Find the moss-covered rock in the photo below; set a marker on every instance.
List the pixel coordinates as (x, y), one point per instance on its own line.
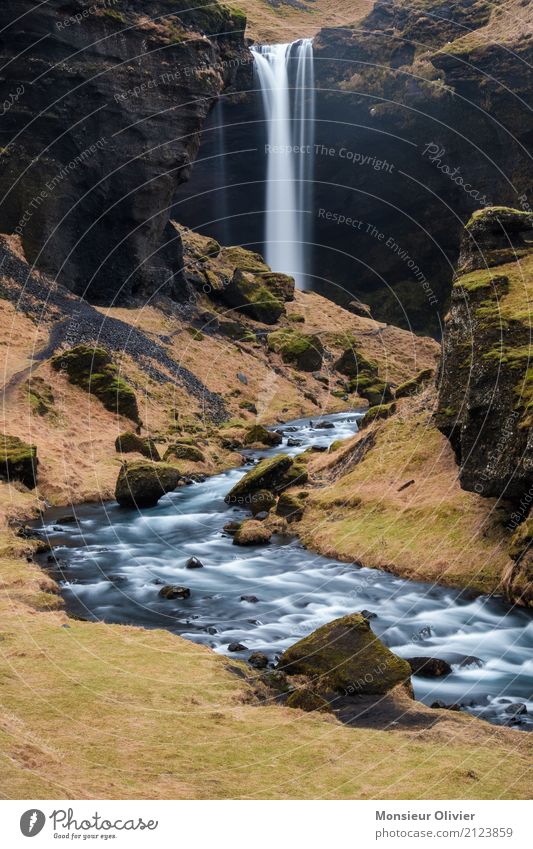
(252, 532)
(129, 442)
(519, 580)
(411, 387)
(142, 484)
(181, 451)
(381, 411)
(267, 474)
(301, 350)
(291, 506)
(258, 433)
(18, 461)
(261, 501)
(352, 363)
(345, 656)
(93, 370)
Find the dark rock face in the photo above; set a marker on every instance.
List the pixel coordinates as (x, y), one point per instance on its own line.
(485, 404)
(104, 125)
(429, 667)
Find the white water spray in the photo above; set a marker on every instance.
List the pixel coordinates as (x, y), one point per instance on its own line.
(286, 78)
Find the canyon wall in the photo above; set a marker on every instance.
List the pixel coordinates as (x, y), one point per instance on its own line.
(103, 104)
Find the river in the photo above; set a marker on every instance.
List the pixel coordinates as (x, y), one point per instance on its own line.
(113, 562)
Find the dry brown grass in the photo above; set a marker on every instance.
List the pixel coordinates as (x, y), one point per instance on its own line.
(282, 23)
(432, 530)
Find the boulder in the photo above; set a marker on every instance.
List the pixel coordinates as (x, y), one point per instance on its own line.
(258, 660)
(172, 592)
(359, 308)
(252, 533)
(267, 474)
(290, 506)
(93, 370)
(18, 461)
(261, 502)
(231, 528)
(251, 599)
(178, 451)
(429, 667)
(194, 563)
(258, 433)
(237, 647)
(130, 442)
(142, 484)
(345, 656)
(301, 350)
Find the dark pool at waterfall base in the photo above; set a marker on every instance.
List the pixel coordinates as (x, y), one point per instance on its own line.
(114, 561)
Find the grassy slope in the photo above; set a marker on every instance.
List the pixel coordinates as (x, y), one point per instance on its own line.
(270, 24)
(118, 712)
(432, 530)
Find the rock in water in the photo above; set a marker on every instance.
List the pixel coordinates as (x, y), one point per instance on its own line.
(252, 533)
(171, 592)
(429, 667)
(237, 647)
(142, 484)
(258, 660)
(347, 657)
(194, 563)
(268, 474)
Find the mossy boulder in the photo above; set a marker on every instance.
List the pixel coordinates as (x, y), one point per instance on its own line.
(261, 501)
(267, 474)
(258, 433)
(281, 285)
(252, 532)
(181, 451)
(297, 475)
(411, 387)
(93, 370)
(301, 350)
(521, 541)
(352, 363)
(345, 656)
(142, 484)
(291, 506)
(381, 411)
(18, 461)
(128, 443)
(371, 388)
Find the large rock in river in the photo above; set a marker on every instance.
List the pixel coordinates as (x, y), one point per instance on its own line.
(271, 474)
(142, 484)
(347, 657)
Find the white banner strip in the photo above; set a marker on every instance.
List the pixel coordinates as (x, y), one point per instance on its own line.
(263, 824)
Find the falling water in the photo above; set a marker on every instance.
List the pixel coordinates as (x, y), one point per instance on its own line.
(286, 79)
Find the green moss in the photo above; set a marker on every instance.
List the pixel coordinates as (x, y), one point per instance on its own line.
(301, 350)
(258, 433)
(130, 442)
(267, 474)
(114, 15)
(93, 370)
(410, 387)
(492, 213)
(305, 699)
(180, 451)
(40, 396)
(381, 411)
(296, 318)
(353, 364)
(197, 335)
(347, 657)
(290, 506)
(483, 280)
(18, 461)
(521, 540)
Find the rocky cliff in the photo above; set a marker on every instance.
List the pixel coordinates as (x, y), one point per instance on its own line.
(435, 124)
(103, 104)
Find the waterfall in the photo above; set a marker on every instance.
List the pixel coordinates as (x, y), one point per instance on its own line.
(286, 79)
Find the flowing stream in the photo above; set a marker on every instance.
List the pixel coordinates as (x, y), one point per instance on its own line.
(286, 79)
(114, 561)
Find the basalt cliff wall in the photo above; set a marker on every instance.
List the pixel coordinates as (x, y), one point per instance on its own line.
(103, 104)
